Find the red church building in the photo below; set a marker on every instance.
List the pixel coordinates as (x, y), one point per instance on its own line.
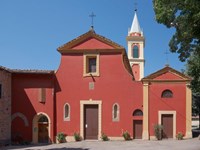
(98, 88)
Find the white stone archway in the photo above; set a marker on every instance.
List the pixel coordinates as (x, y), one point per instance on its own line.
(22, 116)
(35, 126)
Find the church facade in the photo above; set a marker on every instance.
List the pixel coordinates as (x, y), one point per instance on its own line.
(98, 88)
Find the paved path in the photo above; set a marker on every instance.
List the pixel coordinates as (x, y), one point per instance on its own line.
(192, 144)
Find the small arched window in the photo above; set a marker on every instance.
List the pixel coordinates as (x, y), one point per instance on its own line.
(137, 112)
(66, 112)
(43, 119)
(115, 112)
(135, 51)
(167, 94)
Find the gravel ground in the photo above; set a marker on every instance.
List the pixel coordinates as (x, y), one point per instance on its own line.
(191, 144)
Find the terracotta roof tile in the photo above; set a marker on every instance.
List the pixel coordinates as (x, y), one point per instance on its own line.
(34, 71)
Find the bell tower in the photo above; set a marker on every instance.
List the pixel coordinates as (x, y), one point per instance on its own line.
(136, 42)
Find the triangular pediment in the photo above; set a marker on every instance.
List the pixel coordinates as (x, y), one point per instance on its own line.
(92, 43)
(89, 41)
(167, 74)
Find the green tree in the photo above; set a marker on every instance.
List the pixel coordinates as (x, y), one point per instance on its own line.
(193, 70)
(184, 16)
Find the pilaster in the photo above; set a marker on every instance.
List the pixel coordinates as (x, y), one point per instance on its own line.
(188, 112)
(145, 133)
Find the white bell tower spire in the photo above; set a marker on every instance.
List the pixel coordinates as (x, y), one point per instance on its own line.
(136, 40)
(135, 28)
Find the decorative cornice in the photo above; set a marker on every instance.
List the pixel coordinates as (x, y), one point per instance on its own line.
(135, 38)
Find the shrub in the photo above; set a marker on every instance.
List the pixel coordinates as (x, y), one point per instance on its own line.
(104, 137)
(126, 136)
(179, 136)
(16, 139)
(77, 136)
(158, 131)
(61, 137)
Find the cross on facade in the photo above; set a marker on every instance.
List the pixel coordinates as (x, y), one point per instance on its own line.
(167, 60)
(92, 17)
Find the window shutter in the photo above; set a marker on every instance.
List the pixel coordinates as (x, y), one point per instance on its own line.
(42, 95)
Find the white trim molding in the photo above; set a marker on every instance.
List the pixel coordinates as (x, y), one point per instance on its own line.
(91, 102)
(35, 127)
(86, 56)
(117, 117)
(64, 111)
(22, 116)
(168, 112)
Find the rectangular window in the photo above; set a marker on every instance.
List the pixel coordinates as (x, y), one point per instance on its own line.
(91, 65)
(42, 95)
(0, 91)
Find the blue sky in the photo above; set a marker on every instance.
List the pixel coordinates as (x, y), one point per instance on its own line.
(32, 30)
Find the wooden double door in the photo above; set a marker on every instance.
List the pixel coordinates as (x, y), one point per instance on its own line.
(90, 122)
(167, 123)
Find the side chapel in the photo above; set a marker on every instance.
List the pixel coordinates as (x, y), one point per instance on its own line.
(98, 88)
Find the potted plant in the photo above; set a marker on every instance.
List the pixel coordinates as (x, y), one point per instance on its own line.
(61, 137)
(158, 131)
(179, 136)
(104, 137)
(126, 136)
(77, 136)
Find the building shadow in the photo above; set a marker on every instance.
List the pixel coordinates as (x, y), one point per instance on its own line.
(34, 147)
(64, 148)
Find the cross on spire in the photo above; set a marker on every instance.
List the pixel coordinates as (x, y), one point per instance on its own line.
(167, 59)
(92, 17)
(135, 5)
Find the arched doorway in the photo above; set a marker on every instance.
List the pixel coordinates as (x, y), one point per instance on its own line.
(43, 131)
(137, 124)
(41, 128)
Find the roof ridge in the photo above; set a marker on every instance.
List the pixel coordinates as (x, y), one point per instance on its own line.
(165, 69)
(93, 34)
(32, 71)
(26, 70)
(5, 68)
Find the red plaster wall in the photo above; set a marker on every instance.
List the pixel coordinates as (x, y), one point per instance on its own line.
(92, 43)
(25, 89)
(136, 71)
(168, 76)
(114, 85)
(177, 103)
